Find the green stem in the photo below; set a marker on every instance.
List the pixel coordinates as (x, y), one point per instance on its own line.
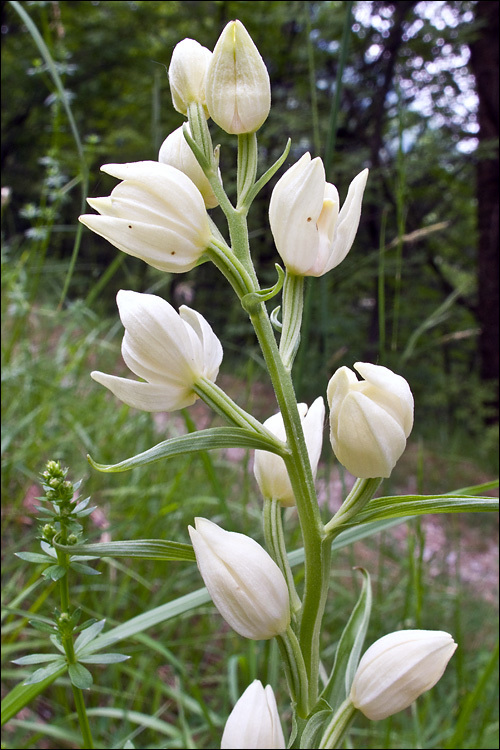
(338, 726)
(295, 671)
(316, 548)
(359, 496)
(83, 718)
(273, 533)
(317, 552)
(247, 165)
(220, 402)
(67, 643)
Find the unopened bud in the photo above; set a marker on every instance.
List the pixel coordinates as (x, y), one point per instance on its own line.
(237, 86)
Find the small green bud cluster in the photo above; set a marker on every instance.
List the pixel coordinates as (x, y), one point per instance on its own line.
(57, 489)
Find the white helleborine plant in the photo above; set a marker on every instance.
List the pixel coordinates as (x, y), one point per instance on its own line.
(186, 74)
(245, 584)
(254, 722)
(270, 470)
(398, 668)
(157, 214)
(370, 419)
(171, 351)
(176, 152)
(311, 235)
(237, 86)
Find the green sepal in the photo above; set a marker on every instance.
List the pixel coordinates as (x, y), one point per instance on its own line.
(80, 676)
(144, 549)
(252, 300)
(349, 648)
(203, 440)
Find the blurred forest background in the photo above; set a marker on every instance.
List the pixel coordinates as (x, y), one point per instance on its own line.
(408, 89)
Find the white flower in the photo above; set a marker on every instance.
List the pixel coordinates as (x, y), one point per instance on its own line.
(176, 152)
(398, 668)
(237, 86)
(245, 584)
(310, 234)
(270, 470)
(186, 74)
(170, 350)
(254, 721)
(156, 214)
(370, 419)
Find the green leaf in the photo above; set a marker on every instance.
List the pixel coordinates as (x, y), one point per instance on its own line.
(80, 676)
(145, 549)
(44, 672)
(43, 627)
(103, 658)
(85, 570)
(36, 658)
(382, 508)
(22, 695)
(203, 440)
(54, 572)
(88, 635)
(311, 734)
(34, 557)
(349, 648)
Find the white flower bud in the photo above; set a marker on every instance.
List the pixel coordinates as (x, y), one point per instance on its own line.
(270, 470)
(369, 419)
(157, 214)
(398, 668)
(245, 584)
(237, 86)
(175, 151)
(310, 234)
(186, 74)
(254, 722)
(169, 350)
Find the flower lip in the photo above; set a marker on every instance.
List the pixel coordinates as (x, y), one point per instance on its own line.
(310, 232)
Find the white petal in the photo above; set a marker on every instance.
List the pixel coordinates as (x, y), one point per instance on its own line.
(145, 396)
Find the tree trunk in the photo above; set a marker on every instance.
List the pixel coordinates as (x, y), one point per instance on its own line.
(484, 65)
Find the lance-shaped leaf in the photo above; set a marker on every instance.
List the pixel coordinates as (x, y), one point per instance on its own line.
(203, 440)
(382, 508)
(144, 549)
(349, 648)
